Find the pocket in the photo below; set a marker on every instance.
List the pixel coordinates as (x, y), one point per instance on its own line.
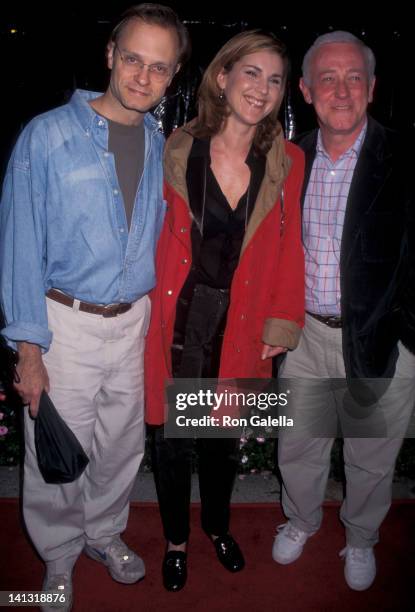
(64, 323)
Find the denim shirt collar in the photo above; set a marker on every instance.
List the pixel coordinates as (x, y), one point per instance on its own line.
(89, 119)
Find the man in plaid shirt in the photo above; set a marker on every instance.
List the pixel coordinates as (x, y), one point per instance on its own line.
(358, 232)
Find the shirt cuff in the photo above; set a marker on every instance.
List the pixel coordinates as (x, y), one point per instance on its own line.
(27, 332)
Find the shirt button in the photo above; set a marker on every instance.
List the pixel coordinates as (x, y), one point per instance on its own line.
(243, 317)
(121, 230)
(238, 350)
(183, 229)
(184, 261)
(106, 154)
(169, 292)
(332, 172)
(115, 192)
(100, 123)
(247, 282)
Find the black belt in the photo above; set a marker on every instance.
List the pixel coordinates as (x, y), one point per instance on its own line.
(330, 321)
(112, 310)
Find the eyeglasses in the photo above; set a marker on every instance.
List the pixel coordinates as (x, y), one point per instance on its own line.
(133, 65)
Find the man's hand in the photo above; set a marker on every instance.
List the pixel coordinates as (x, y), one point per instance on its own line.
(32, 374)
(272, 351)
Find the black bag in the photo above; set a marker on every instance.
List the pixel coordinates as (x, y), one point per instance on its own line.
(60, 456)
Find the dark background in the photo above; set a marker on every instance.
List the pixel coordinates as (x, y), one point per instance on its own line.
(56, 48)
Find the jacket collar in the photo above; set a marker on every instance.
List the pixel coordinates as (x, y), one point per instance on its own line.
(277, 168)
(372, 170)
(375, 149)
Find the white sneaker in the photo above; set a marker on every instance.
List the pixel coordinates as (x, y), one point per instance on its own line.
(59, 587)
(122, 563)
(289, 543)
(360, 567)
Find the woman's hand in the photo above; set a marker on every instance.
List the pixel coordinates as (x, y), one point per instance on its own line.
(272, 351)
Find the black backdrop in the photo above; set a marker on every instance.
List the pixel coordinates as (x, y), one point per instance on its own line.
(48, 50)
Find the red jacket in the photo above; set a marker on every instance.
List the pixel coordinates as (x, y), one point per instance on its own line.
(267, 292)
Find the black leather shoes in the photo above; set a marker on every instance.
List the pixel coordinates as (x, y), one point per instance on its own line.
(174, 570)
(229, 553)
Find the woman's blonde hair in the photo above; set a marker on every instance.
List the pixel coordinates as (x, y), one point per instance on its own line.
(212, 107)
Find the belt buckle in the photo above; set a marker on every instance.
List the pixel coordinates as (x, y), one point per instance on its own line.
(333, 320)
(110, 310)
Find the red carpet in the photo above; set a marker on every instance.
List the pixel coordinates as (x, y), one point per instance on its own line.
(313, 583)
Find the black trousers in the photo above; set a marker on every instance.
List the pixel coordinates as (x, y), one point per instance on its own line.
(172, 465)
(200, 321)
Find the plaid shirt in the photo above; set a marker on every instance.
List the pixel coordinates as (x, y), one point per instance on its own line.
(323, 218)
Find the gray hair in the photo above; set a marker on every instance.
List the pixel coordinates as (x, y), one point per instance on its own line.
(339, 36)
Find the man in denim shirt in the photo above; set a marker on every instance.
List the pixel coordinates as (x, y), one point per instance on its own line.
(81, 212)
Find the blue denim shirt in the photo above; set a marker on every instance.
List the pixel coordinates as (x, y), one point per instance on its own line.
(63, 222)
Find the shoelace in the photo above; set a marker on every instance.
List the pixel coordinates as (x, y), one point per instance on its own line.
(289, 531)
(121, 550)
(358, 555)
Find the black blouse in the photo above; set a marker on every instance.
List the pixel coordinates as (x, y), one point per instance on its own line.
(218, 230)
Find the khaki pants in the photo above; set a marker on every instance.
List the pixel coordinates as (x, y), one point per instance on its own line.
(95, 367)
(369, 462)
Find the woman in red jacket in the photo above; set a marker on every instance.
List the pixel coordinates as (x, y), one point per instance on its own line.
(230, 278)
